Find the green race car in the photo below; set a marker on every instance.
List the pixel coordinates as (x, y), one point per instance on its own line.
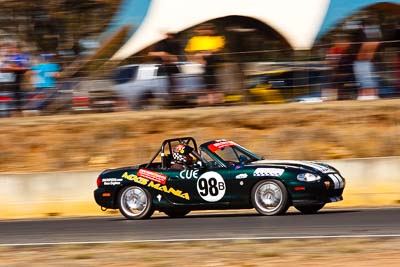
(218, 174)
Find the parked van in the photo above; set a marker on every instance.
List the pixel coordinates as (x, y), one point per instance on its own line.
(140, 84)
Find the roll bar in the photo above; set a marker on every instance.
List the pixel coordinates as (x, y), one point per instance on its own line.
(185, 140)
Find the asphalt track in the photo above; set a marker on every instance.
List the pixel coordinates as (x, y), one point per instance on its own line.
(246, 225)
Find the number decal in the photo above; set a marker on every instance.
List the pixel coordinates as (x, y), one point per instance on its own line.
(211, 186)
(202, 187)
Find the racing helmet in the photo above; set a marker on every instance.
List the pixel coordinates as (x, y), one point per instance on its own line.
(181, 153)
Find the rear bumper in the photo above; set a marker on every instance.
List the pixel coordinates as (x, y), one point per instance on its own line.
(104, 198)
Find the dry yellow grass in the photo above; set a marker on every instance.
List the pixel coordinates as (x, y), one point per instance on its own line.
(296, 131)
(243, 253)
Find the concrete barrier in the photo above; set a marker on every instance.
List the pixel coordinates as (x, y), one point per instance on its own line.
(48, 194)
(369, 182)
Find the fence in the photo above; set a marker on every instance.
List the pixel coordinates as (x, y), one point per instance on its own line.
(303, 76)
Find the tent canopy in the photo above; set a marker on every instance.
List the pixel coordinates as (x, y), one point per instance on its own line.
(298, 28)
(299, 22)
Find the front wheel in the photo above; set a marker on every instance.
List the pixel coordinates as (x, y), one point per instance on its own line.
(310, 209)
(135, 203)
(270, 197)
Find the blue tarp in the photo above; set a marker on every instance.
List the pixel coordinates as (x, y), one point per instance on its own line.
(131, 13)
(340, 9)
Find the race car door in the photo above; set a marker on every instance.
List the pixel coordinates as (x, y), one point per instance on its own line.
(203, 186)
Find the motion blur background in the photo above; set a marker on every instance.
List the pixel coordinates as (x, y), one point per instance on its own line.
(81, 87)
(84, 87)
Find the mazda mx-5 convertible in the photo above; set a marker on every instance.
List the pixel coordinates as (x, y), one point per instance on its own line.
(219, 174)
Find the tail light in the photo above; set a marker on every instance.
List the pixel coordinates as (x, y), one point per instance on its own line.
(99, 181)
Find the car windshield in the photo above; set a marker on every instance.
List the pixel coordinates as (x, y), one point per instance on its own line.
(231, 152)
(235, 155)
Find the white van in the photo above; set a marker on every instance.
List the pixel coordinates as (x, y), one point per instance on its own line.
(138, 84)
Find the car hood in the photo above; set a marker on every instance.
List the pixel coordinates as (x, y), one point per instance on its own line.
(308, 165)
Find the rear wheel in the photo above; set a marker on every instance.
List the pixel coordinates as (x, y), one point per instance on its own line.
(176, 213)
(270, 197)
(310, 209)
(135, 203)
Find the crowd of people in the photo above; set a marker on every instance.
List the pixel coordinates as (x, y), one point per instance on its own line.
(29, 80)
(352, 58)
(203, 47)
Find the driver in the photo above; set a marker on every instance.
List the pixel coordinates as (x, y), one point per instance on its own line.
(181, 157)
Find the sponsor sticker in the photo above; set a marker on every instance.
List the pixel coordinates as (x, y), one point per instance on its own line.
(221, 144)
(152, 176)
(112, 181)
(311, 164)
(189, 174)
(156, 186)
(268, 172)
(241, 176)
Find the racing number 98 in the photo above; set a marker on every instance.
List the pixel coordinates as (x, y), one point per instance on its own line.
(211, 186)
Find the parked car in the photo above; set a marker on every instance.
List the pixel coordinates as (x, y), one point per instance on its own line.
(90, 95)
(6, 103)
(7, 96)
(284, 82)
(139, 84)
(218, 174)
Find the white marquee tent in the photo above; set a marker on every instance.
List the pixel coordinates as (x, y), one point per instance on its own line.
(299, 22)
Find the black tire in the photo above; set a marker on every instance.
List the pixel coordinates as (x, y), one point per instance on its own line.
(310, 209)
(135, 203)
(176, 213)
(273, 201)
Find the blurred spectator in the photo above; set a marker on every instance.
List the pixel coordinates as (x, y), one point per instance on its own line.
(368, 39)
(44, 75)
(342, 82)
(6, 76)
(204, 48)
(45, 72)
(168, 51)
(15, 64)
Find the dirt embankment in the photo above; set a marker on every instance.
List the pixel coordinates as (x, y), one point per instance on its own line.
(296, 131)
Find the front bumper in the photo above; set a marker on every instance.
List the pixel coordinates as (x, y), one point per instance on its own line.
(328, 189)
(306, 202)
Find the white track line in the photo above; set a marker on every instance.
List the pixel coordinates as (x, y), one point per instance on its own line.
(200, 239)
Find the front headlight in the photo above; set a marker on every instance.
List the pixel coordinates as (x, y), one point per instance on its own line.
(308, 177)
